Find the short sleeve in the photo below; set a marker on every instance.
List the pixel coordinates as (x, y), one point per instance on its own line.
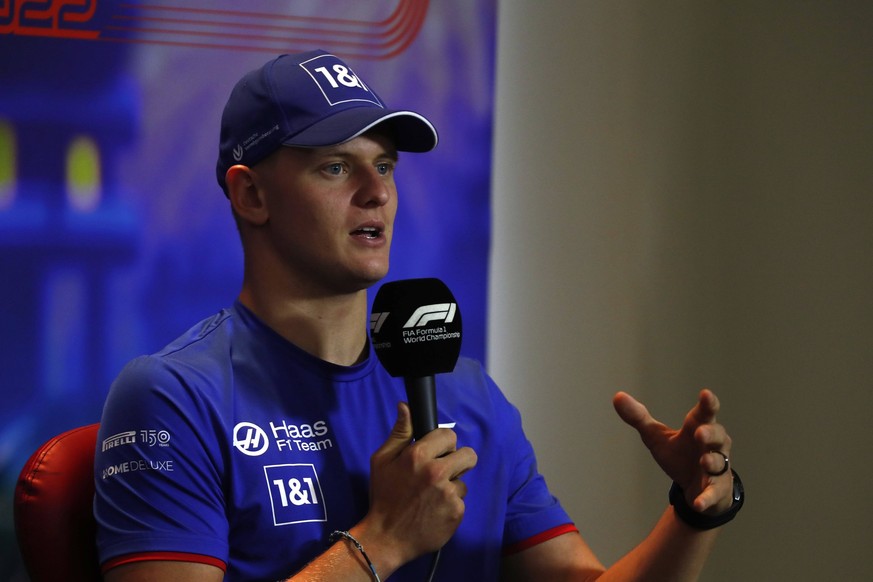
(158, 467)
(532, 510)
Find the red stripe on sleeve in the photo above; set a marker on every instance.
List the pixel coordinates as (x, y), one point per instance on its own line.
(539, 538)
(162, 556)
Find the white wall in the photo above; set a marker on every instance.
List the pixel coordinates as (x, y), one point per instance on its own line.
(682, 198)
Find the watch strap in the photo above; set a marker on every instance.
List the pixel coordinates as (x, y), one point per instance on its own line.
(702, 521)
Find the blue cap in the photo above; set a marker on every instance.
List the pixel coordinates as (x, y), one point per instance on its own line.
(311, 99)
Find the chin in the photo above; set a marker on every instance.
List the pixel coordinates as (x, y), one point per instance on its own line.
(375, 278)
(375, 272)
(366, 279)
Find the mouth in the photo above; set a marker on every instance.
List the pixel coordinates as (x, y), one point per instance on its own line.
(368, 232)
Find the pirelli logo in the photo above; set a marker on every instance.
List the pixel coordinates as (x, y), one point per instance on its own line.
(123, 438)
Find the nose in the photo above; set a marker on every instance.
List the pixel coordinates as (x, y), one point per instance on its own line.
(374, 189)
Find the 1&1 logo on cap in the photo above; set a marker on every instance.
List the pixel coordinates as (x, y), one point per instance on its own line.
(337, 82)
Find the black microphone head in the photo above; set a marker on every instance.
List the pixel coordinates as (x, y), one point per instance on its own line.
(415, 328)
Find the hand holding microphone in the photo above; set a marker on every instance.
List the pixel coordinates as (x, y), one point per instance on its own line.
(416, 495)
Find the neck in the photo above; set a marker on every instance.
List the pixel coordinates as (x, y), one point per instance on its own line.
(332, 328)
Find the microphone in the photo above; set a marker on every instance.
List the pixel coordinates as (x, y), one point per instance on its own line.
(415, 328)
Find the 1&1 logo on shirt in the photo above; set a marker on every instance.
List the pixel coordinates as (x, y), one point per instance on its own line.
(295, 494)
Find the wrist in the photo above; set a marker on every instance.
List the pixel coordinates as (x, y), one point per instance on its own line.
(702, 521)
(343, 536)
(384, 554)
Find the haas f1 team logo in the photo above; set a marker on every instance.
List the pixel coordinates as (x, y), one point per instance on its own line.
(250, 439)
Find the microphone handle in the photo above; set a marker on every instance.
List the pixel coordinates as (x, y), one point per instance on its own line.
(421, 394)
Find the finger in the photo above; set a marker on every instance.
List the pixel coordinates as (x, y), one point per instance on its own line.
(460, 488)
(463, 460)
(712, 437)
(707, 407)
(437, 443)
(449, 466)
(705, 500)
(717, 492)
(715, 463)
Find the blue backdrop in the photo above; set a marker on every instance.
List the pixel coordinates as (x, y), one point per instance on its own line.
(114, 236)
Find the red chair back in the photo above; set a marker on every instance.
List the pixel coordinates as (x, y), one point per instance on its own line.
(53, 508)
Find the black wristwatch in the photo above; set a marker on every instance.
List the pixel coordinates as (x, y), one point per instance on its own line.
(702, 521)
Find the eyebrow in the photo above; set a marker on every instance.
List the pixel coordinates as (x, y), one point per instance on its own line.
(340, 150)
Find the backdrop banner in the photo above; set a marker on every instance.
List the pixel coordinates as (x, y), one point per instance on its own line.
(114, 235)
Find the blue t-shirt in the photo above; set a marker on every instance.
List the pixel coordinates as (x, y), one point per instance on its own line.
(233, 443)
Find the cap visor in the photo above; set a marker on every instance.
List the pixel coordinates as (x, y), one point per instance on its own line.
(411, 132)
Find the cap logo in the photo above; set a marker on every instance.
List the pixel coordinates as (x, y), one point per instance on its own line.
(337, 82)
(238, 152)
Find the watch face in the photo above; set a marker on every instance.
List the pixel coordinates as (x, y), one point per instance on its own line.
(739, 492)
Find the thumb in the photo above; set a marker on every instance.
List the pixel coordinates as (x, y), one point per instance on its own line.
(631, 410)
(401, 433)
(634, 412)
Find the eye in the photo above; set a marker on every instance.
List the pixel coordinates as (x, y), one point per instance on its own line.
(334, 169)
(385, 168)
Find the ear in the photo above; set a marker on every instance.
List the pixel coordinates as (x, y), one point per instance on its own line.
(246, 198)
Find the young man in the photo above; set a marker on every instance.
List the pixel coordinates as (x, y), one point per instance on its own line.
(270, 450)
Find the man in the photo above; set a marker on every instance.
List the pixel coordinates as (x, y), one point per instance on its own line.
(269, 449)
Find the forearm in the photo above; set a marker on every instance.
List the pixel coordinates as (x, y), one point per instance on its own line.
(343, 561)
(672, 551)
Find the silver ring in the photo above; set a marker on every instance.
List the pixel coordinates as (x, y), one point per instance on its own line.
(727, 464)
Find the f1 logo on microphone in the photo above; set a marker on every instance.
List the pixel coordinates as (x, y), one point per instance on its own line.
(377, 320)
(434, 312)
(420, 317)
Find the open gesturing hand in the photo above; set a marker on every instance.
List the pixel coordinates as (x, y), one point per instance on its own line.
(694, 456)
